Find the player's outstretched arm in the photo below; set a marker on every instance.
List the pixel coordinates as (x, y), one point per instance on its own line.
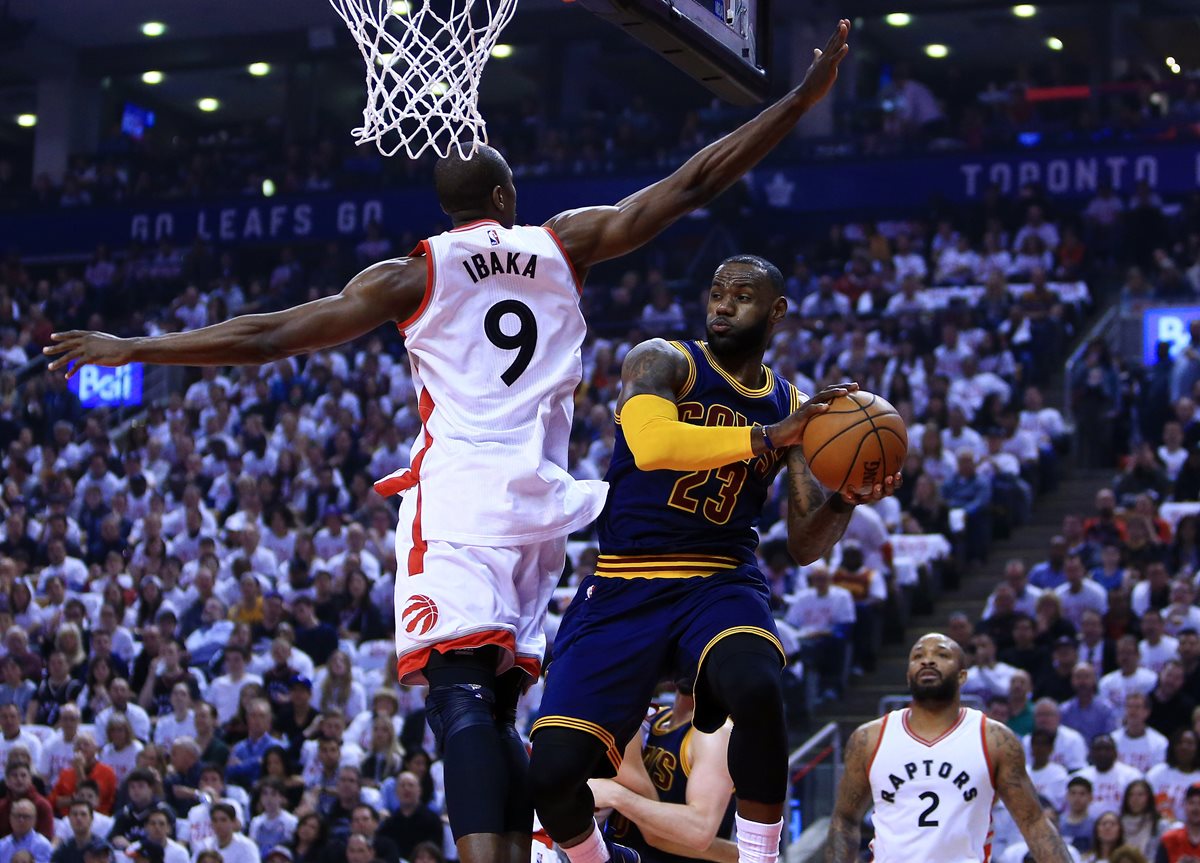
(1016, 790)
(594, 234)
(388, 291)
(853, 797)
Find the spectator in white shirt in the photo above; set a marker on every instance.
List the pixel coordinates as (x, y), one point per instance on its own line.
(1130, 677)
(907, 261)
(225, 692)
(180, 722)
(1025, 595)
(233, 846)
(1048, 777)
(957, 434)
(1080, 593)
(121, 751)
(58, 750)
(158, 830)
(958, 264)
(1182, 613)
(986, 676)
(1156, 647)
(1139, 745)
(122, 705)
(12, 735)
(1046, 424)
(1171, 452)
(1109, 777)
(1070, 750)
(950, 354)
(1037, 226)
(824, 615)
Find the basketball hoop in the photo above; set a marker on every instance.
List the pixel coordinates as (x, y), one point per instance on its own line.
(424, 65)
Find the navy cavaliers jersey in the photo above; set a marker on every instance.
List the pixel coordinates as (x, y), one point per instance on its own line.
(665, 755)
(681, 523)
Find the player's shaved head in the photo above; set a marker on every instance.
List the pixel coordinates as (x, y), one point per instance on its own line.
(466, 185)
(938, 638)
(772, 277)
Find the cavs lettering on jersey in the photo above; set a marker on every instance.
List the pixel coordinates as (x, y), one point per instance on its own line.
(678, 524)
(933, 798)
(665, 756)
(495, 356)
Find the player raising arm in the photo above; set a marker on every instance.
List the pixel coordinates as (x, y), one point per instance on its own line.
(481, 188)
(495, 392)
(931, 781)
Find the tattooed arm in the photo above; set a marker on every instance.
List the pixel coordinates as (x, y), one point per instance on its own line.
(853, 796)
(1016, 790)
(815, 523)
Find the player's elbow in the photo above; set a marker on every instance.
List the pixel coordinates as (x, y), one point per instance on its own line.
(803, 553)
(648, 457)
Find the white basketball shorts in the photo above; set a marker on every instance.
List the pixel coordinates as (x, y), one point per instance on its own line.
(451, 596)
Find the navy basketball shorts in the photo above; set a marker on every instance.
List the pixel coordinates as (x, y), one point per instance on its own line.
(622, 636)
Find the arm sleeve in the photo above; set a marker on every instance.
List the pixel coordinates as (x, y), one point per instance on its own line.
(659, 441)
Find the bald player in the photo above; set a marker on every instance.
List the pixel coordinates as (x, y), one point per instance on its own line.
(932, 772)
(495, 394)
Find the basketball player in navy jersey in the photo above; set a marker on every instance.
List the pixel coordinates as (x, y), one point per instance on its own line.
(932, 772)
(474, 690)
(702, 430)
(673, 796)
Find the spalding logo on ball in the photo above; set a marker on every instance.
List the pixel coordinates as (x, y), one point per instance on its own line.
(856, 444)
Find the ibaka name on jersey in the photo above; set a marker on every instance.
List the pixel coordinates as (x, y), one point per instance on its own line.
(479, 267)
(925, 769)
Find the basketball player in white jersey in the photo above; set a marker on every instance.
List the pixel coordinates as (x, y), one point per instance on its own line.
(491, 322)
(932, 772)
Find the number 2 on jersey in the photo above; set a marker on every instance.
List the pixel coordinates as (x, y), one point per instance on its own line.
(523, 341)
(924, 820)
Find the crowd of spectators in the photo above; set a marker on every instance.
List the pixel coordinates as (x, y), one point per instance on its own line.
(196, 606)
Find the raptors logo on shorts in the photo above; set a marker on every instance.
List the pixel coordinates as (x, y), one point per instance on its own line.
(420, 615)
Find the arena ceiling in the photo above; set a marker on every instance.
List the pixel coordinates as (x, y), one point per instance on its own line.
(208, 43)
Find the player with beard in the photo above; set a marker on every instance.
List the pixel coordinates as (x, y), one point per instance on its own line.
(702, 430)
(932, 771)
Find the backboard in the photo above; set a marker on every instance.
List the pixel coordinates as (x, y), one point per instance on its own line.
(721, 43)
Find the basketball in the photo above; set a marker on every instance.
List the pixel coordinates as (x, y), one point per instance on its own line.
(855, 444)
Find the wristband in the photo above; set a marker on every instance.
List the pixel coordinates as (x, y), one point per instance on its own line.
(767, 439)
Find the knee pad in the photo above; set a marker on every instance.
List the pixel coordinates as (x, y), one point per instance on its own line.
(742, 677)
(454, 707)
(562, 762)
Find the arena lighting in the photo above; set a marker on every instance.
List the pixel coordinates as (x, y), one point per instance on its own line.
(154, 29)
(385, 58)
(152, 77)
(898, 19)
(502, 51)
(441, 88)
(208, 104)
(400, 7)
(27, 121)
(259, 69)
(1176, 68)
(1024, 10)
(1170, 61)
(936, 51)
(268, 187)
(1054, 43)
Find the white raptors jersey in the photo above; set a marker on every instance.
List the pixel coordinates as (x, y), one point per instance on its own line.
(933, 799)
(495, 355)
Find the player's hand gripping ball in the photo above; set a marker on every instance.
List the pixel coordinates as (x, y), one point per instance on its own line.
(856, 444)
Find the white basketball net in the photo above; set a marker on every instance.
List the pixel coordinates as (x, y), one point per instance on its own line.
(424, 59)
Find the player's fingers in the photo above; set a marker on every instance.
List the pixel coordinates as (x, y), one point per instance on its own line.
(69, 334)
(51, 350)
(825, 396)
